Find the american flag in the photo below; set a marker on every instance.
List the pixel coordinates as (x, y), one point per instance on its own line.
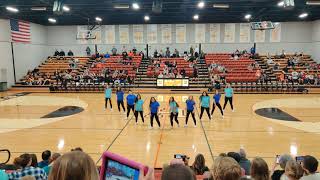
(20, 31)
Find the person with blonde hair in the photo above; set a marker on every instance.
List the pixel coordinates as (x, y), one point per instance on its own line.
(293, 170)
(226, 168)
(259, 169)
(75, 165)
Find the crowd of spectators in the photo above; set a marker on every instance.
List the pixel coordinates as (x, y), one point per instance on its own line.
(36, 78)
(227, 166)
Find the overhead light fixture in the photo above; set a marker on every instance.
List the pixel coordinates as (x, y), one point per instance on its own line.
(247, 16)
(303, 15)
(146, 18)
(276, 23)
(12, 9)
(222, 6)
(66, 8)
(38, 9)
(52, 20)
(196, 17)
(281, 3)
(201, 4)
(313, 2)
(121, 6)
(135, 6)
(99, 19)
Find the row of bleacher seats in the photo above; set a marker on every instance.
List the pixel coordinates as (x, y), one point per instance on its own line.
(181, 64)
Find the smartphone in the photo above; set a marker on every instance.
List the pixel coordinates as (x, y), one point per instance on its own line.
(299, 159)
(277, 159)
(117, 167)
(179, 156)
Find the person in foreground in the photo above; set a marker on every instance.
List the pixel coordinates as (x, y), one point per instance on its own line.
(226, 168)
(310, 166)
(199, 165)
(259, 169)
(75, 165)
(24, 162)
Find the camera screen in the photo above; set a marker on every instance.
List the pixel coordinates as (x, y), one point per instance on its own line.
(116, 171)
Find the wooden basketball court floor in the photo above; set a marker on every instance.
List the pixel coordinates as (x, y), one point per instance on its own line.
(95, 129)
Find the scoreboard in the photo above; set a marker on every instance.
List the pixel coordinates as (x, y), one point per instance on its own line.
(264, 25)
(167, 82)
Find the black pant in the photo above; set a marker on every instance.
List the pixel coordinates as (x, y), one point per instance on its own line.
(154, 115)
(214, 106)
(226, 99)
(193, 117)
(122, 104)
(207, 110)
(175, 116)
(129, 107)
(136, 113)
(106, 103)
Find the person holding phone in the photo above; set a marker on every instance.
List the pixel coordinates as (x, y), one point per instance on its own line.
(174, 111)
(205, 104)
(108, 94)
(139, 108)
(228, 92)
(154, 109)
(216, 98)
(190, 110)
(131, 99)
(282, 161)
(120, 95)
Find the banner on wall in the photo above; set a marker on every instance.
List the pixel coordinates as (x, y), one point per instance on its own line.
(229, 33)
(110, 34)
(82, 32)
(181, 33)
(200, 33)
(245, 29)
(124, 34)
(214, 30)
(166, 33)
(138, 34)
(152, 33)
(259, 36)
(275, 34)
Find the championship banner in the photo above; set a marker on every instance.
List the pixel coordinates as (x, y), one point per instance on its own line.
(166, 33)
(138, 34)
(124, 34)
(259, 35)
(110, 34)
(152, 32)
(181, 33)
(245, 32)
(214, 34)
(200, 33)
(229, 33)
(275, 34)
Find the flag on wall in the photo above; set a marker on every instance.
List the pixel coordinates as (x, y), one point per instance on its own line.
(20, 31)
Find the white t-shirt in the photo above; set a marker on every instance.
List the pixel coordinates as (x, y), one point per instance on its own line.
(315, 176)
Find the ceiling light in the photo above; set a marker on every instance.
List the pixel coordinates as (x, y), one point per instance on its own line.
(313, 2)
(247, 16)
(135, 6)
(146, 18)
(38, 9)
(121, 6)
(276, 23)
(52, 20)
(201, 4)
(12, 9)
(99, 19)
(223, 6)
(196, 17)
(281, 3)
(303, 15)
(66, 8)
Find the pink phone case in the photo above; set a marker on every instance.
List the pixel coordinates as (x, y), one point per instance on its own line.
(108, 155)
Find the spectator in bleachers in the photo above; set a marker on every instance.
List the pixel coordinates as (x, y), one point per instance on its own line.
(244, 162)
(70, 53)
(276, 67)
(124, 55)
(34, 160)
(114, 51)
(45, 159)
(270, 61)
(141, 54)
(175, 53)
(155, 54)
(283, 54)
(191, 51)
(56, 53)
(62, 53)
(107, 55)
(168, 54)
(134, 50)
(310, 166)
(277, 174)
(74, 165)
(54, 157)
(24, 163)
(88, 51)
(226, 168)
(259, 169)
(123, 49)
(293, 170)
(199, 165)
(130, 54)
